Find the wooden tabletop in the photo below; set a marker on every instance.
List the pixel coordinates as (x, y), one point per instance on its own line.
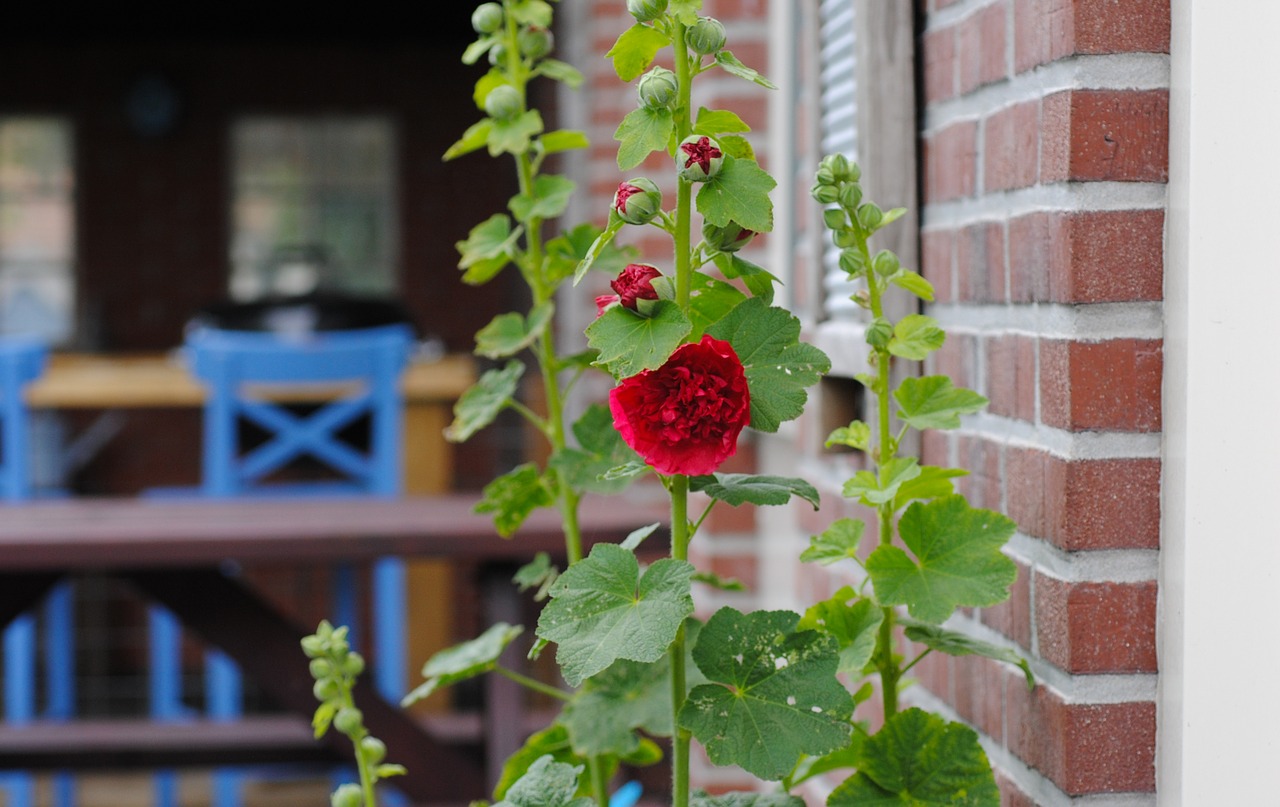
(96, 381)
(106, 533)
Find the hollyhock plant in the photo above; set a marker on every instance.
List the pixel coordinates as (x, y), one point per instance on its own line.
(698, 158)
(636, 283)
(685, 417)
(637, 201)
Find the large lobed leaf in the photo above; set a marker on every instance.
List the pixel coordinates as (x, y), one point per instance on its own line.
(737, 489)
(602, 609)
(601, 450)
(933, 402)
(957, 560)
(634, 51)
(774, 694)
(508, 334)
(778, 366)
(740, 192)
(462, 661)
(479, 405)
(630, 342)
(513, 496)
(643, 131)
(547, 783)
(854, 622)
(489, 247)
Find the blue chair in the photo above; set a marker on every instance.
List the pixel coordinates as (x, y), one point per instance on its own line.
(22, 360)
(247, 373)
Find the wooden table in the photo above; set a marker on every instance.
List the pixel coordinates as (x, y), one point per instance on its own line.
(173, 552)
(155, 380)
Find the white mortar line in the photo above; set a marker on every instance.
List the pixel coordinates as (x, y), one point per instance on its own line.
(1058, 197)
(1093, 322)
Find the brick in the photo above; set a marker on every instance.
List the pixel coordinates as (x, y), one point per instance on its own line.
(1055, 138)
(940, 64)
(980, 45)
(1011, 376)
(937, 262)
(1043, 31)
(1112, 385)
(1121, 26)
(1110, 135)
(1012, 617)
(1024, 489)
(980, 263)
(1033, 251)
(982, 459)
(950, 163)
(956, 359)
(1114, 256)
(1012, 150)
(979, 695)
(1102, 504)
(1083, 748)
(1010, 794)
(1087, 628)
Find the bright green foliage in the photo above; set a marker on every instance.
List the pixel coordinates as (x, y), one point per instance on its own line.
(742, 799)
(563, 72)
(635, 49)
(538, 573)
(551, 194)
(914, 283)
(737, 489)
(731, 64)
(508, 334)
(739, 192)
(514, 136)
(475, 137)
(602, 609)
(856, 435)
(837, 542)
(643, 131)
(880, 488)
(709, 300)
(479, 405)
(852, 620)
(773, 696)
(920, 760)
(954, 643)
(957, 560)
(462, 661)
(532, 12)
(685, 10)
(547, 784)
(840, 759)
(718, 122)
(932, 483)
(552, 741)
(933, 402)
(778, 366)
(601, 449)
(758, 280)
(562, 140)
(489, 247)
(568, 250)
(630, 342)
(513, 496)
(916, 336)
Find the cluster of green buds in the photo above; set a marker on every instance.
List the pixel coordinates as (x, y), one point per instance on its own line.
(335, 668)
(533, 41)
(646, 10)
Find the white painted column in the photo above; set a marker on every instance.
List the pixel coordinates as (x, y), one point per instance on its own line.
(1220, 576)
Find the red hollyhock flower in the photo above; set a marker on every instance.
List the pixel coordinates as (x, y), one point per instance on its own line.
(635, 282)
(603, 302)
(685, 417)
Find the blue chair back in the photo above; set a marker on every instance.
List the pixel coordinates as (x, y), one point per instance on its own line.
(244, 370)
(22, 360)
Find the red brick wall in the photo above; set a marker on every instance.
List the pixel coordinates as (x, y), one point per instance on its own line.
(1045, 141)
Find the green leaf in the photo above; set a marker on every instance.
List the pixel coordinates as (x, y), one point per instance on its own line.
(539, 572)
(552, 741)
(513, 496)
(778, 366)
(550, 197)
(954, 643)
(854, 622)
(563, 140)
(486, 84)
(635, 49)
(933, 403)
(510, 333)
(462, 661)
(890, 216)
(719, 583)
(856, 435)
(597, 249)
(628, 470)
(547, 784)
(602, 610)
(957, 560)
(709, 300)
(323, 717)
(514, 136)
(474, 138)
(643, 131)
(718, 122)
(774, 693)
(759, 281)
(839, 759)
(480, 404)
(389, 769)
(736, 489)
(685, 10)
(745, 799)
(872, 489)
(916, 336)
(838, 542)
(478, 48)
(630, 342)
(489, 247)
(537, 13)
(740, 192)
(636, 537)
(920, 760)
(932, 483)
(914, 283)
(737, 146)
(560, 71)
(602, 448)
(731, 64)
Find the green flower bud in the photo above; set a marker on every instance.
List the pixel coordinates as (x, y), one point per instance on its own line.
(885, 263)
(657, 88)
(646, 10)
(825, 194)
(348, 720)
(862, 299)
(850, 196)
(870, 216)
(375, 750)
(498, 55)
(347, 795)
(353, 665)
(503, 102)
(706, 36)
(320, 668)
(730, 238)
(826, 176)
(851, 261)
(535, 42)
(698, 158)
(880, 332)
(326, 689)
(313, 646)
(845, 238)
(834, 218)
(839, 165)
(487, 18)
(637, 201)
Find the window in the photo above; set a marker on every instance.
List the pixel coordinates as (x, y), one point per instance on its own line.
(37, 228)
(839, 130)
(313, 206)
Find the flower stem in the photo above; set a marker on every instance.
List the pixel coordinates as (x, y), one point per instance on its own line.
(531, 683)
